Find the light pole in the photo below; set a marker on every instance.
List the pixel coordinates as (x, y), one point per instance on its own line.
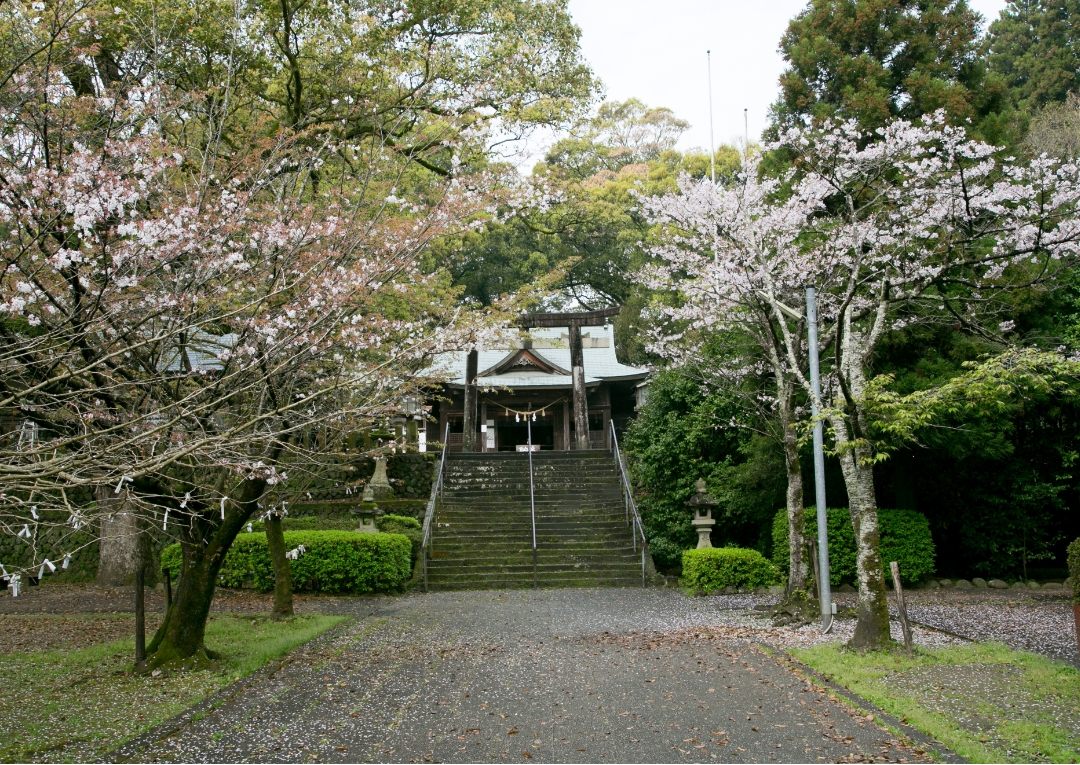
(824, 589)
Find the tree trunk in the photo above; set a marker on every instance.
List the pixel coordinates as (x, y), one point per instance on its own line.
(275, 540)
(798, 566)
(181, 635)
(118, 549)
(872, 625)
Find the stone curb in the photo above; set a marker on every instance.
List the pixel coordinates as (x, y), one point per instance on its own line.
(931, 746)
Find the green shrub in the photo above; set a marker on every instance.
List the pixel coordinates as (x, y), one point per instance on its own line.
(905, 538)
(405, 525)
(666, 554)
(1074, 568)
(334, 561)
(714, 568)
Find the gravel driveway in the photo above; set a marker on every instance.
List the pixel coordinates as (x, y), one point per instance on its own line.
(553, 675)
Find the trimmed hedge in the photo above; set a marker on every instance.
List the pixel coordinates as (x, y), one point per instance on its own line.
(712, 569)
(334, 561)
(404, 525)
(905, 538)
(1073, 557)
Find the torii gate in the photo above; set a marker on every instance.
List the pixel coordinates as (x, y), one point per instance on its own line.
(575, 321)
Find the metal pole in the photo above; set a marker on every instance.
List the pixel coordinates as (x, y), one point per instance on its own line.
(532, 490)
(824, 590)
(712, 146)
(746, 132)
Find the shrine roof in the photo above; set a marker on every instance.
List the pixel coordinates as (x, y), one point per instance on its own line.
(510, 367)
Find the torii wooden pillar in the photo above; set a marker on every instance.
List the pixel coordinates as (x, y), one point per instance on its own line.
(574, 321)
(468, 436)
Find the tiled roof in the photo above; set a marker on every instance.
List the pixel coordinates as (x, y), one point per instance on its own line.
(553, 345)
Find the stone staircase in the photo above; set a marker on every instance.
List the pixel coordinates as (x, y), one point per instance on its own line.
(483, 533)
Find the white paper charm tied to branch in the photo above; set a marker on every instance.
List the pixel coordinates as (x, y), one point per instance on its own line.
(296, 552)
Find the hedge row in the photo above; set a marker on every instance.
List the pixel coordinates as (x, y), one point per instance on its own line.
(333, 561)
(712, 569)
(905, 538)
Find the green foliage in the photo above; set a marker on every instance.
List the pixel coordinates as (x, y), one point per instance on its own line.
(875, 60)
(905, 538)
(990, 449)
(712, 569)
(1032, 47)
(404, 525)
(334, 561)
(681, 435)
(1074, 569)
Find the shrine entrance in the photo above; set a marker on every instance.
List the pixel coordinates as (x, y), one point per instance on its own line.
(514, 436)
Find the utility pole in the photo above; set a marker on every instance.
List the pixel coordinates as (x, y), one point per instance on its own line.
(712, 144)
(824, 589)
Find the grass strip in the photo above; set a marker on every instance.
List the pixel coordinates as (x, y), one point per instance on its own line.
(63, 706)
(986, 702)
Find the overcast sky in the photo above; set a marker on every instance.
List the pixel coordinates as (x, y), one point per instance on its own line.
(654, 50)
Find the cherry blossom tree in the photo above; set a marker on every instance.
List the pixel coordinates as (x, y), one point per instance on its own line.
(910, 223)
(180, 313)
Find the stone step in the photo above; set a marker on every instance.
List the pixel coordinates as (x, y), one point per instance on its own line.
(483, 534)
(494, 582)
(455, 548)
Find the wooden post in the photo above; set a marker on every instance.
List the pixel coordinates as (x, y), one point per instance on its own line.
(581, 405)
(901, 607)
(468, 440)
(140, 615)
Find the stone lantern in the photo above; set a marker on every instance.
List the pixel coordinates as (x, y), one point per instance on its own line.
(702, 504)
(378, 488)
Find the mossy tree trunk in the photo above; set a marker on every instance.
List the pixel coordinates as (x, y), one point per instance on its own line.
(283, 594)
(872, 625)
(205, 541)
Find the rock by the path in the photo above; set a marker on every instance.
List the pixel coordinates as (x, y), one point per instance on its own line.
(1033, 585)
(962, 584)
(945, 582)
(1018, 586)
(978, 582)
(930, 584)
(1052, 586)
(997, 584)
(845, 587)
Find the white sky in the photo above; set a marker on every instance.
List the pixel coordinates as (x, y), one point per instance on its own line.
(654, 50)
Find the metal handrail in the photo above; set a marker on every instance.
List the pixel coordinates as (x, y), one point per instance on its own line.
(633, 517)
(429, 514)
(532, 492)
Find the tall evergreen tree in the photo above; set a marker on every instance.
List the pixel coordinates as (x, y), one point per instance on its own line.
(1035, 47)
(876, 60)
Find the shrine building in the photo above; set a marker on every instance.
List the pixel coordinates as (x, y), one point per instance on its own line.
(560, 384)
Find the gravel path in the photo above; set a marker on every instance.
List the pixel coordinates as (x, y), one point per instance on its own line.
(612, 675)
